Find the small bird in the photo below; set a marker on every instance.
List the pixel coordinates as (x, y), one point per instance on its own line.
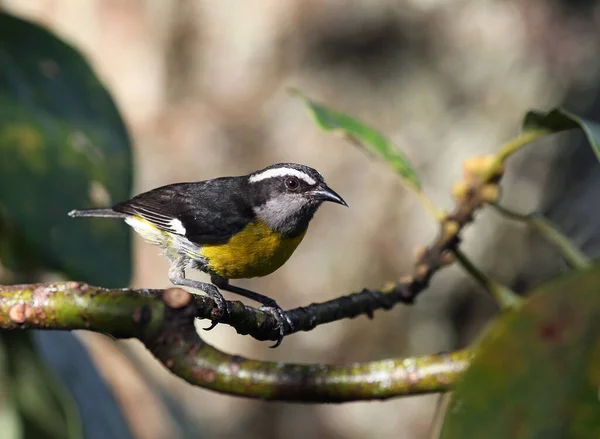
(229, 227)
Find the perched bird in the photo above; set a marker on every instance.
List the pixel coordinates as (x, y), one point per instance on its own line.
(229, 227)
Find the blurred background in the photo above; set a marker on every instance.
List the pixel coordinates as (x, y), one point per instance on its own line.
(202, 88)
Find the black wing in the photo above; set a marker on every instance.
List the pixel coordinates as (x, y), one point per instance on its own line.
(206, 212)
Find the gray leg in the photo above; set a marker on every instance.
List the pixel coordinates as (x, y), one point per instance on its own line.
(177, 277)
(223, 284)
(269, 305)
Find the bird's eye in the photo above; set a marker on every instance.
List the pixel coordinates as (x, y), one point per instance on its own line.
(292, 183)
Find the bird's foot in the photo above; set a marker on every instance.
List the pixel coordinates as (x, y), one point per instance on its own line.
(214, 294)
(284, 324)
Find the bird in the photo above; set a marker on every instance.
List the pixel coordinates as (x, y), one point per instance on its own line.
(234, 227)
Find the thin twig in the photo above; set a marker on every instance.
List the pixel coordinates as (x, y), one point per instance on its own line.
(427, 204)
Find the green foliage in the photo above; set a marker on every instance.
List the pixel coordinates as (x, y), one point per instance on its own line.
(363, 135)
(62, 146)
(536, 373)
(558, 120)
(38, 405)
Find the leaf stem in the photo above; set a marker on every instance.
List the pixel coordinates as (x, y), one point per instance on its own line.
(518, 142)
(574, 257)
(512, 146)
(504, 296)
(438, 214)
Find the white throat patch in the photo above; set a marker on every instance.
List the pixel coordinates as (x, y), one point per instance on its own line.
(282, 172)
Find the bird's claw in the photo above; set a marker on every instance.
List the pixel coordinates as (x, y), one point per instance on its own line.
(213, 323)
(284, 324)
(221, 307)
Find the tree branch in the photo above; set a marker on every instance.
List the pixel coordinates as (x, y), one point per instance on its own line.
(164, 321)
(479, 188)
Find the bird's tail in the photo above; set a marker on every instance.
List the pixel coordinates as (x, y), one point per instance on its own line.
(97, 213)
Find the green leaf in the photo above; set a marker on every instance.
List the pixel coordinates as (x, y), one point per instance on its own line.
(11, 423)
(363, 135)
(63, 145)
(536, 373)
(45, 408)
(558, 120)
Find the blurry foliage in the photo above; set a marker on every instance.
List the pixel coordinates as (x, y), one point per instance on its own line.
(63, 145)
(40, 406)
(560, 120)
(536, 372)
(364, 136)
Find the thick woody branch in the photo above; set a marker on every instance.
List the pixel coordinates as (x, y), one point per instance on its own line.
(164, 322)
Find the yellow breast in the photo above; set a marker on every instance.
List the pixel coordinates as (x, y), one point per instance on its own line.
(255, 251)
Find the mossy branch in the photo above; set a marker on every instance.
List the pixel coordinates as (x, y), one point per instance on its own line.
(164, 321)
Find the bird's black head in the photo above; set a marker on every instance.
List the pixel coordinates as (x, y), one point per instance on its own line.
(287, 195)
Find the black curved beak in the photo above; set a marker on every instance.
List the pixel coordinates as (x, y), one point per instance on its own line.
(325, 193)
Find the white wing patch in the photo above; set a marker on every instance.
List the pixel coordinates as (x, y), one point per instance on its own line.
(160, 220)
(177, 227)
(282, 172)
(148, 232)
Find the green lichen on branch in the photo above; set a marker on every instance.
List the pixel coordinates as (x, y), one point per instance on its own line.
(164, 321)
(76, 305)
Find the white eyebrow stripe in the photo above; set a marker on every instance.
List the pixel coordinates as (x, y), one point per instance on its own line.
(282, 172)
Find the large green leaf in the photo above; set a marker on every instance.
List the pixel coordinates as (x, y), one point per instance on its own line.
(11, 423)
(45, 408)
(537, 371)
(361, 134)
(557, 120)
(63, 145)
